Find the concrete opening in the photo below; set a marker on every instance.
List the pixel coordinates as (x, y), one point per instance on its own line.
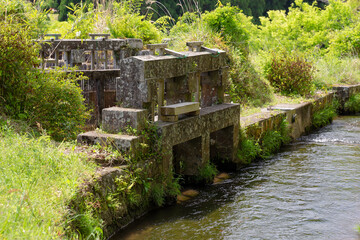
(187, 158)
(222, 148)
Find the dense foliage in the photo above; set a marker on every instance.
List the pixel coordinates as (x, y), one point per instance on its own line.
(290, 74)
(128, 23)
(353, 104)
(175, 9)
(50, 100)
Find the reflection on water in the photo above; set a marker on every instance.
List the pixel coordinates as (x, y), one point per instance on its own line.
(308, 191)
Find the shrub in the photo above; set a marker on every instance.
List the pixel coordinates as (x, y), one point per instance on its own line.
(51, 99)
(270, 143)
(347, 41)
(233, 25)
(290, 74)
(267, 144)
(246, 85)
(126, 23)
(304, 27)
(57, 104)
(25, 14)
(274, 139)
(18, 56)
(248, 151)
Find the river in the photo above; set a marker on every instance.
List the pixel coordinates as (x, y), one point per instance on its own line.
(310, 190)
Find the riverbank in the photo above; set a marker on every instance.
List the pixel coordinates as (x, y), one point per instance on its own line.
(298, 119)
(309, 190)
(38, 178)
(97, 200)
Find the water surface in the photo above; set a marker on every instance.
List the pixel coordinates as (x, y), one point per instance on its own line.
(311, 190)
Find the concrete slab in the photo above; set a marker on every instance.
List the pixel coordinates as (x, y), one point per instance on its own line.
(180, 108)
(121, 142)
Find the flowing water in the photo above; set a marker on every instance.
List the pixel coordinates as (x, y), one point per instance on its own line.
(311, 190)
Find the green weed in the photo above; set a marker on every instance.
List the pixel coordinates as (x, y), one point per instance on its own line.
(249, 149)
(323, 117)
(269, 143)
(206, 173)
(353, 104)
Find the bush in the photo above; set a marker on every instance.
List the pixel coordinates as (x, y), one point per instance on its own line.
(248, 151)
(304, 27)
(18, 57)
(206, 173)
(51, 100)
(127, 23)
(290, 74)
(246, 85)
(274, 139)
(233, 25)
(57, 104)
(267, 144)
(25, 14)
(347, 41)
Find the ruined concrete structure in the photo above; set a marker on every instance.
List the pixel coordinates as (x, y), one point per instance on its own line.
(98, 58)
(181, 92)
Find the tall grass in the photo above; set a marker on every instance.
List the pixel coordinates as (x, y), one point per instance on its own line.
(37, 179)
(331, 71)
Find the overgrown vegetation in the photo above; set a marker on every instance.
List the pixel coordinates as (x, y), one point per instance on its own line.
(290, 74)
(51, 100)
(353, 104)
(267, 144)
(37, 180)
(300, 48)
(206, 173)
(324, 116)
(140, 185)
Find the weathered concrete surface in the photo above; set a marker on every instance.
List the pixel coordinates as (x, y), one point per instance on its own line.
(149, 80)
(117, 119)
(120, 142)
(189, 139)
(299, 117)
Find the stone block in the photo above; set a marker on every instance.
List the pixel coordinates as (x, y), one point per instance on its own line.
(180, 108)
(116, 119)
(120, 142)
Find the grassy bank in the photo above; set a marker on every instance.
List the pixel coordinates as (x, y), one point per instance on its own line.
(37, 181)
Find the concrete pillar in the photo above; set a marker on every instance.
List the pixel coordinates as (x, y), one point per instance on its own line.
(194, 85)
(209, 88)
(56, 58)
(160, 95)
